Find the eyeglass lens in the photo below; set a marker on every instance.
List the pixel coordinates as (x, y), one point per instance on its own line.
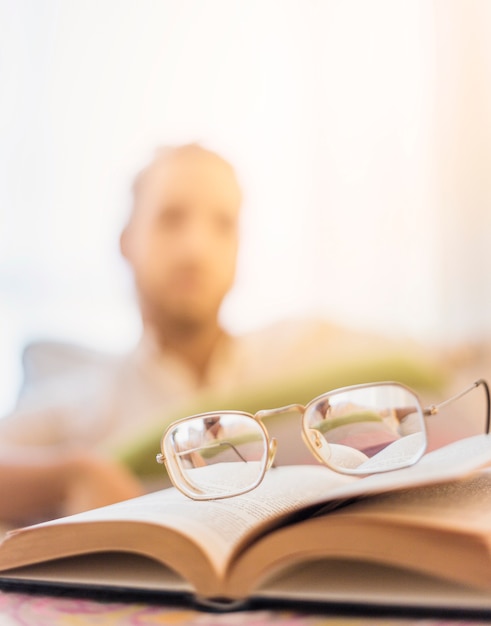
(366, 429)
(217, 455)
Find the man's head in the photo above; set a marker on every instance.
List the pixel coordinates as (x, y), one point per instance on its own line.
(182, 236)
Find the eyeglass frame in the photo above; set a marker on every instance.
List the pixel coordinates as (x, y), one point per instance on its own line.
(271, 442)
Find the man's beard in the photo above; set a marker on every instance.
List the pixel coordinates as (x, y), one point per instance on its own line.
(166, 317)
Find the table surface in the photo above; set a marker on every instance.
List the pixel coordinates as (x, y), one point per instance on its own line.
(21, 609)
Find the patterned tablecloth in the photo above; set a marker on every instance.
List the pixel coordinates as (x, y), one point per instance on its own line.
(19, 609)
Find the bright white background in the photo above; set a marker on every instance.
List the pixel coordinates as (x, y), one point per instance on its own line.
(360, 129)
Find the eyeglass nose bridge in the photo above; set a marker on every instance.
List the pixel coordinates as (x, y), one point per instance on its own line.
(260, 415)
(276, 411)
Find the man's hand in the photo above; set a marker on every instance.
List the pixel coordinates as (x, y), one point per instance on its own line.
(94, 481)
(39, 484)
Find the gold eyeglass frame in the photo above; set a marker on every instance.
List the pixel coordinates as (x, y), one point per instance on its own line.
(167, 456)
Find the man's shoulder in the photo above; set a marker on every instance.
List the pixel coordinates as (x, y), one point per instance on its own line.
(292, 332)
(43, 359)
(279, 345)
(54, 365)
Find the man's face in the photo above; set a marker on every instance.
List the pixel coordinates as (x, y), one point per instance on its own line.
(182, 240)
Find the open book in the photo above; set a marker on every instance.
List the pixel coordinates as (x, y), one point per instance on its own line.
(417, 537)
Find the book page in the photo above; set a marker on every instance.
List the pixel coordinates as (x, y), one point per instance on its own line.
(440, 530)
(99, 570)
(371, 584)
(217, 527)
(463, 505)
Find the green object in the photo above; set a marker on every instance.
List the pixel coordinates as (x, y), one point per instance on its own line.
(352, 418)
(139, 455)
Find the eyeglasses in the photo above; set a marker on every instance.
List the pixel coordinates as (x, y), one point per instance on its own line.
(358, 430)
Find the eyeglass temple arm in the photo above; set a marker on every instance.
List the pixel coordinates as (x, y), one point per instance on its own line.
(435, 408)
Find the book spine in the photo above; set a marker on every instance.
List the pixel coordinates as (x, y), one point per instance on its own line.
(220, 605)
